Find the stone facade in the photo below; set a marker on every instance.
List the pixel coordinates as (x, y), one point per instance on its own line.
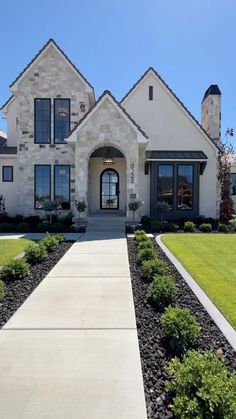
(50, 77)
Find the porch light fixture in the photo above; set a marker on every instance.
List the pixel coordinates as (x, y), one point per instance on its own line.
(62, 112)
(108, 161)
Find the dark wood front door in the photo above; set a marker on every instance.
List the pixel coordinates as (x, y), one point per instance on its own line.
(109, 189)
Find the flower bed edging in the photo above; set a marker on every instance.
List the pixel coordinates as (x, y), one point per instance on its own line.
(224, 326)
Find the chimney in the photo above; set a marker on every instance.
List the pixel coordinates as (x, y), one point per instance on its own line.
(211, 113)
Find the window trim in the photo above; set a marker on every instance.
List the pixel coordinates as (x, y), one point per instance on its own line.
(54, 189)
(54, 125)
(50, 120)
(50, 184)
(12, 173)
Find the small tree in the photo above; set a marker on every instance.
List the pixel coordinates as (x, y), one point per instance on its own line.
(134, 206)
(81, 207)
(163, 207)
(226, 203)
(50, 206)
(3, 212)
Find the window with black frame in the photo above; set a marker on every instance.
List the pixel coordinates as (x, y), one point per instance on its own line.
(233, 183)
(42, 121)
(42, 181)
(61, 119)
(62, 186)
(185, 187)
(7, 173)
(165, 179)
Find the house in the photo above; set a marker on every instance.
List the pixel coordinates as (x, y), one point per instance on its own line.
(64, 145)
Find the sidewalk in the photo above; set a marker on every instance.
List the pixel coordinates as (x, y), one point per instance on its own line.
(71, 350)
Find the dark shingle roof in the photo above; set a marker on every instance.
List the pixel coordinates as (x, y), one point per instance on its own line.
(175, 155)
(176, 97)
(37, 55)
(107, 92)
(7, 101)
(8, 150)
(2, 141)
(212, 90)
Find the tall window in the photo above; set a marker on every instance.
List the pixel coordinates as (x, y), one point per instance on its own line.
(150, 93)
(233, 183)
(185, 187)
(61, 119)
(165, 188)
(42, 176)
(62, 186)
(7, 173)
(42, 121)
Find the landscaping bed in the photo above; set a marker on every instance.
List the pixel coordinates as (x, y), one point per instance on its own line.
(153, 351)
(17, 291)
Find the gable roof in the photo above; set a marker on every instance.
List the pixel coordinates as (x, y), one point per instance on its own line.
(92, 109)
(8, 101)
(50, 42)
(152, 70)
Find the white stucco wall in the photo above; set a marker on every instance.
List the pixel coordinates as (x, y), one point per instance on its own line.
(96, 167)
(9, 190)
(169, 127)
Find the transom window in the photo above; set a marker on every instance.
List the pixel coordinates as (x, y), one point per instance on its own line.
(62, 186)
(42, 179)
(61, 119)
(7, 173)
(175, 185)
(42, 121)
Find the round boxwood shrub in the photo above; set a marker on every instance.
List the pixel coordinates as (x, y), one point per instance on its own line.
(161, 291)
(146, 254)
(189, 227)
(172, 227)
(50, 241)
(180, 328)
(42, 227)
(15, 269)
(2, 290)
(23, 227)
(202, 387)
(59, 237)
(155, 226)
(35, 253)
(57, 227)
(147, 244)
(153, 267)
(205, 228)
(223, 228)
(146, 220)
(6, 227)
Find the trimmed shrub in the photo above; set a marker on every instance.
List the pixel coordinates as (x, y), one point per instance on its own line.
(146, 254)
(57, 227)
(161, 291)
(2, 290)
(15, 269)
(23, 227)
(6, 227)
(205, 228)
(50, 242)
(146, 220)
(223, 228)
(153, 267)
(140, 236)
(155, 226)
(35, 253)
(189, 227)
(147, 244)
(172, 227)
(233, 223)
(42, 227)
(18, 218)
(180, 328)
(202, 387)
(59, 237)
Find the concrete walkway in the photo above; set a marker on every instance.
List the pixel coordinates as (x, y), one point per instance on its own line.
(71, 350)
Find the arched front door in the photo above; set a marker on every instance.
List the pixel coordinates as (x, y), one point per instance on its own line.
(109, 189)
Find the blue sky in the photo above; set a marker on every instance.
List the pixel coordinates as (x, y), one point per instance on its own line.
(192, 44)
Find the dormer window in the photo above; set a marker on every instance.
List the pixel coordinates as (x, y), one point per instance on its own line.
(61, 119)
(150, 93)
(42, 121)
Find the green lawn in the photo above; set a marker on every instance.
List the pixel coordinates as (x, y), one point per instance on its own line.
(11, 248)
(211, 260)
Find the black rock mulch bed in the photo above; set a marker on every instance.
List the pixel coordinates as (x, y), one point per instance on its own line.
(18, 291)
(154, 355)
